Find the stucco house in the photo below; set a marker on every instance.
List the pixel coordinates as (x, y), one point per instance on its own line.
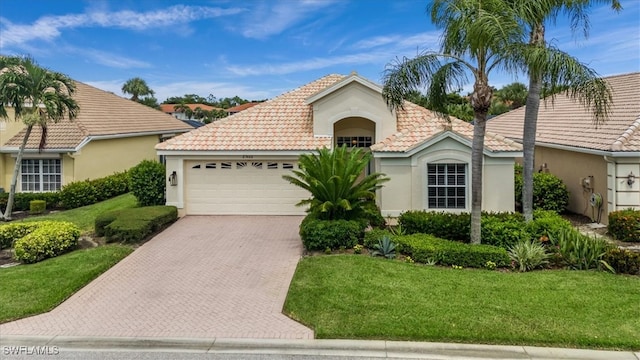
(181, 115)
(594, 162)
(235, 165)
(110, 134)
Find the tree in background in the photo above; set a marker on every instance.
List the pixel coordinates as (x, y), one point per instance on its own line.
(136, 87)
(38, 96)
(476, 35)
(513, 95)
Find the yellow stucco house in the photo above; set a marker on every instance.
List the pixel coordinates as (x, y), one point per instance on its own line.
(110, 134)
(595, 162)
(235, 165)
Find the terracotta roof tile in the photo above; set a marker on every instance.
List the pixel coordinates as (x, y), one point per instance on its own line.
(101, 113)
(566, 122)
(286, 123)
(241, 107)
(171, 108)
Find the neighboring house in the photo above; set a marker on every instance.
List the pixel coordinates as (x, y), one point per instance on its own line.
(602, 160)
(180, 114)
(235, 165)
(237, 109)
(194, 123)
(110, 134)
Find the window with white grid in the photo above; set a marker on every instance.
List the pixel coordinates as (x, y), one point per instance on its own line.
(38, 175)
(446, 186)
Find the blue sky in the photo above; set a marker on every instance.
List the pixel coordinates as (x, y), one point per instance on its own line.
(259, 49)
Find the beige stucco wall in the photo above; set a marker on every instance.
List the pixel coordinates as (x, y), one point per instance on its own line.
(572, 167)
(354, 127)
(407, 188)
(353, 100)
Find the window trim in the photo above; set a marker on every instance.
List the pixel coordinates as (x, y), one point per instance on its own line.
(41, 174)
(467, 185)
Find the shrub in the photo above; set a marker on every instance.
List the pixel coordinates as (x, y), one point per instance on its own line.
(427, 249)
(578, 251)
(503, 230)
(77, 194)
(547, 223)
(371, 213)
(549, 192)
(372, 237)
(111, 186)
(319, 234)
(37, 207)
(147, 182)
(22, 201)
(439, 224)
(623, 261)
(104, 219)
(9, 233)
(49, 239)
(135, 224)
(528, 255)
(624, 225)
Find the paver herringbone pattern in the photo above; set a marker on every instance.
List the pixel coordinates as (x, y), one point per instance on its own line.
(205, 276)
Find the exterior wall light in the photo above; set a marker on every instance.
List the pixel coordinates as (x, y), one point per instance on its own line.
(631, 178)
(173, 179)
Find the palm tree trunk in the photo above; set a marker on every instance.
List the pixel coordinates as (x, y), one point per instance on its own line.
(529, 129)
(14, 178)
(477, 158)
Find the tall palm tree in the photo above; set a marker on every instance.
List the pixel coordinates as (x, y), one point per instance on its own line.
(38, 96)
(475, 34)
(136, 87)
(555, 69)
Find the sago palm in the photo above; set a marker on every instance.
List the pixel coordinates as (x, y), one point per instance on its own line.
(475, 36)
(38, 97)
(335, 180)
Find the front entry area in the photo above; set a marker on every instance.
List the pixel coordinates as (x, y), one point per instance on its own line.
(241, 187)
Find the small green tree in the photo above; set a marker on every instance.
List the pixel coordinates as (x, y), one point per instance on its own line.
(336, 183)
(146, 181)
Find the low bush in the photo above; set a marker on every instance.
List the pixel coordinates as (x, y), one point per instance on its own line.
(439, 224)
(623, 261)
(22, 201)
(578, 251)
(88, 192)
(428, 248)
(105, 219)
(503, 230)
(371, 212)
(319, 234)
(624, 225)
(49, 239)
(549, 192)
(528, 255)
(11, 232)
(37, 207)
(547, 223)
(147, 182)
(372, 237)
(135, 224)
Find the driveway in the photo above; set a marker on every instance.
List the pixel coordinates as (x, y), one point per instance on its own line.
(203, 277)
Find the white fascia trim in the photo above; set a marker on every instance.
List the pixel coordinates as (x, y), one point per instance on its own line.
(14, 151)
(340, 84)
(235, 152)
(590, 151)
(128, 135)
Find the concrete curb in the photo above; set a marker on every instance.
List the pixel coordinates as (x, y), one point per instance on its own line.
(370, 348)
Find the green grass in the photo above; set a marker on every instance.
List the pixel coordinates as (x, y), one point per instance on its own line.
(85, 216)
(360, 297)
(33, 289)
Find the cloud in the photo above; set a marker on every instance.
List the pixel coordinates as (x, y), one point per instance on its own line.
(266, 19)
(113, 60)
(50, 27)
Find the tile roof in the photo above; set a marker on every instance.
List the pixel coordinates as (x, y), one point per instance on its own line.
(101, 113)
(241, 107)
(286, 123)
(566, 122)
(171, 108)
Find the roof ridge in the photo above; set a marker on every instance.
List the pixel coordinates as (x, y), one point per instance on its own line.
(626, 135)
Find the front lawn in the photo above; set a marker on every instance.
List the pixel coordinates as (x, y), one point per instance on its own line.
(359, 297)
(84, 217)
(33, 289)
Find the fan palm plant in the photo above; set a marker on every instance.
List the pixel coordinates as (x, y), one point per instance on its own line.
(335, 180)
(38, 96)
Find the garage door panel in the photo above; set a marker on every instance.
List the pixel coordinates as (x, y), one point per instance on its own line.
(254, 188)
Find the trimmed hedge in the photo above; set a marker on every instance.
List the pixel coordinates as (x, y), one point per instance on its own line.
(624, 225)
(549, 192)
(88, 192)
(439, 224)
(623, 261)
(37, 207)
(49, 239)
(11, 232)
(319, 234)
(426, 248)
(22, 201)
(135, 224)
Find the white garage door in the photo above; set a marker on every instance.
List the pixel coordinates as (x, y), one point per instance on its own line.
(253, 187)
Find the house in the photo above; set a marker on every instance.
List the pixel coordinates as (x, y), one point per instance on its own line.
(235, 165)
(595, 162)
(236, 109)
(110, 134)
(175, 110)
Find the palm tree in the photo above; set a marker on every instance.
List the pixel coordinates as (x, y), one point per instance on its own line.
(334, 180)
(38, 96)
(475, 34)
(513, 95)
(136, 87)
(555, 69)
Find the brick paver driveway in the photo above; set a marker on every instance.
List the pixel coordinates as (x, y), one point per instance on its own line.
(205, 276)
